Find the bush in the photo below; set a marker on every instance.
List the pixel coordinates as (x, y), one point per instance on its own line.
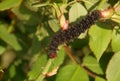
(26, 29)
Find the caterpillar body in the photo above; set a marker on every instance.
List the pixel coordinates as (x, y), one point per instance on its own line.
(73, 32)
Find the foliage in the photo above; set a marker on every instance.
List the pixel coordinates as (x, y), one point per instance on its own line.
(27, 26)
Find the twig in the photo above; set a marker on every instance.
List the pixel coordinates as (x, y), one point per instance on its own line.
(70, 55)
(75, 61)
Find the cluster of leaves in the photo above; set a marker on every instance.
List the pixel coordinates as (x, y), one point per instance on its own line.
(27, 26)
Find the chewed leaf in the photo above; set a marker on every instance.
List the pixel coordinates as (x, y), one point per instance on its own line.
(59, 59)
(37, 68)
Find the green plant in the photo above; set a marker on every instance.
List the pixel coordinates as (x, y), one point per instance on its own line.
(26, 29)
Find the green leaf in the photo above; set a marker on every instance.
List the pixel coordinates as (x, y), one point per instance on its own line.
(72, 73)
(37, 68)
(76, 11)
(113, 69)
(52, 65)
(100, 36)
(2, 49)
(59, 59)
(90, 4)
(28, 17)
(91, 63)
(53, 23)
(65, 1)
(99, 79)
(7, 4)
(9, 38)
(116, 39)
(12, 71)
(36, 46)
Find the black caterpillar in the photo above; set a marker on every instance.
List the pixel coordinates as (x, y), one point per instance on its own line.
(73, 32)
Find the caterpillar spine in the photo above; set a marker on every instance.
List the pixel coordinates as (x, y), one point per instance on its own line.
(72, 32)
